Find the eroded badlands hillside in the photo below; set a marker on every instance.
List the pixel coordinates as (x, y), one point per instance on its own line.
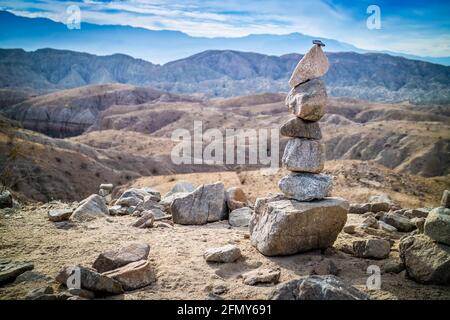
(124, 132)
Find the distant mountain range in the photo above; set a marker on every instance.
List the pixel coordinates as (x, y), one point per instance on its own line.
(369, 76)
(153, 45)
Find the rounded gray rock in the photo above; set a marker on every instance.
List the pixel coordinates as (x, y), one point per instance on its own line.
(304, 155)
(308, 100)
(306, 186)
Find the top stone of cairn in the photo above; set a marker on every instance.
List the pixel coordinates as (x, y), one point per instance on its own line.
(314, 64)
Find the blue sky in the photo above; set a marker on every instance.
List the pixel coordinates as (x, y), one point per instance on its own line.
(415, 27)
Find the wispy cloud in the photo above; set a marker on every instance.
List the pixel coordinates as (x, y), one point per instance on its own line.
(416, 27)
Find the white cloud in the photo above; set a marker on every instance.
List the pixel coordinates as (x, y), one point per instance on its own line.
(234, 18)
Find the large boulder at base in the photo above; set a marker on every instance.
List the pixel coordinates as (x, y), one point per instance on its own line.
(288, 226)
(372, 248)
(117, 258)
(445, 201)
(90, 208)
(306, 186)
(240, 217)
(298, 128)
(304, 155)
(6, 199)
(308, 101)
(315, 287)
(58, 215)
(425, 260)
(180, 187)
(225, 254)
(437, 225)
(204, 204)
(89, 280)
(10, 270)
(403, 224)
(314, 64)
(134, 275)
(236, 198)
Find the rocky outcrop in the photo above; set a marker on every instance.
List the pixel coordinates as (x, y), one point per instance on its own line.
(72, 112)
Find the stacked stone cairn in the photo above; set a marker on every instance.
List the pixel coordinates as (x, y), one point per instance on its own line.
(302, 217)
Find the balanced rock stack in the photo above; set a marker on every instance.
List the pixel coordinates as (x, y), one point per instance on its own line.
(302, 218)
(304, 153)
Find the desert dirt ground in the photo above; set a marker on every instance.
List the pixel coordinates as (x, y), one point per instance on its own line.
(177, 256)
(177, 252)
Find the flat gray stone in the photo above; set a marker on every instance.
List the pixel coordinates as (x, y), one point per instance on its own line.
(304, 155)
(225, 254)
(372, 248)
(259, 276)
(58, 215)
(134, 275)
(398, 221)
(298, 128)
(306, 186)
(117, 258)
